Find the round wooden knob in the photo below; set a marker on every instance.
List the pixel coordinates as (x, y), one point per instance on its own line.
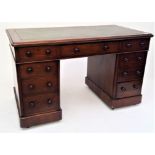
(49, 84)
(125, 73)
(76, 50)
(28, 53)
(48, 68)
(142, 44)
(31, 86)
(128, 45)
(29, 69)
(123, 89)
(138, 72)
(135, 86)
(126, 59)
(139, 58)
(48, 52)
(105, 47)
(49, 101)
(32, 104)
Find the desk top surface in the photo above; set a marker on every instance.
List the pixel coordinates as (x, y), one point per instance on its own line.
(62, 35)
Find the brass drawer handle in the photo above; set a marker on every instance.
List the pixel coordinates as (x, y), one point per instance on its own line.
(49, 84)
(48, 52)
(123, 89)
(48, 68)
(32, 104)
(76, 50)
(29, 69)
(28, 54)
(129, 45)
(31, 86)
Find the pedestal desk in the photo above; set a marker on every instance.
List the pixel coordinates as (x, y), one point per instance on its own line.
(116, 64)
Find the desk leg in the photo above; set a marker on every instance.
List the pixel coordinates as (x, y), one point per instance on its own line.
(102, 79)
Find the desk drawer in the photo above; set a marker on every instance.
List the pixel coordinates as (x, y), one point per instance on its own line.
(128, 89)
(131, 60)
(135, 45)
(130, 74)
(79, 50)
(40, 53)
(111, 47)
(40, 85)
(41, 103)
(38, 69)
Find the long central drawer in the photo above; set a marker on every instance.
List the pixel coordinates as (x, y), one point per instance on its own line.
(78, 50)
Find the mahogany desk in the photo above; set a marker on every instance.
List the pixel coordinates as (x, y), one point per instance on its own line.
(116, 63)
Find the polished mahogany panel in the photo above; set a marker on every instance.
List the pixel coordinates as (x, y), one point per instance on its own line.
(40, 85)
(128, 89)
(79, 50)
(130, 74)
(29, 54)
(31, 70)
(132, 60)
(135, 45)
(41, 103)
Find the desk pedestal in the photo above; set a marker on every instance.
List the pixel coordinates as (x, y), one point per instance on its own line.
(117, 79)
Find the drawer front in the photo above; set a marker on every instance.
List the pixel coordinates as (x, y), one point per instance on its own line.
(130, 74)
(130, 60)
(40, 85)
(111, 47)
(29, 54)
(135, 45)
(128, 89)
(41, 103)
(79, 50)
(38, 69)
